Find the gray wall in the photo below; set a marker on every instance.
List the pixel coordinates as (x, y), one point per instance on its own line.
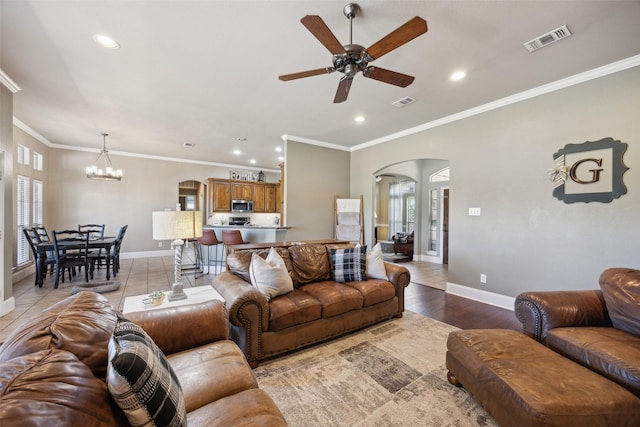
(313, 177)
(526, 239)
(6, 202)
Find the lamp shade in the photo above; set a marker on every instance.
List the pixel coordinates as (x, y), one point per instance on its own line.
(172, 225)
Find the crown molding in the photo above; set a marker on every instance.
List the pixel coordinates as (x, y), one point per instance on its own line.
(595, 73)
(309, 141)
(6, 81)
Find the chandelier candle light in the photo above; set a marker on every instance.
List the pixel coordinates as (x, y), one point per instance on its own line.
(177, 226)
(103, 169)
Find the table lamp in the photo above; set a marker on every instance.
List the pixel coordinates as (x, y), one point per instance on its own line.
(177, 226)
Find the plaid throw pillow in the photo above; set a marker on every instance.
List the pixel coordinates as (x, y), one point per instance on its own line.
(141, 380)
(349, 265)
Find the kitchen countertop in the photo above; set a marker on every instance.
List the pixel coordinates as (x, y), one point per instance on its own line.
(267, 227)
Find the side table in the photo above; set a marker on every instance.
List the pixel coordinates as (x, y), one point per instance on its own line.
(194, 295)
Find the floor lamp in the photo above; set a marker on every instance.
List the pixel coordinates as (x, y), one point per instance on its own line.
(177, 226)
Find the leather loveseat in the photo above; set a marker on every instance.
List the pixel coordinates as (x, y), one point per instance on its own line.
(577, 363)
(599, 329)
(317, 309)
(54, 367)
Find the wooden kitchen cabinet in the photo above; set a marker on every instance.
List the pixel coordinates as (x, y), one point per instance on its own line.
(220, 195)
(270, 200)
(242, 191)
(258, 198)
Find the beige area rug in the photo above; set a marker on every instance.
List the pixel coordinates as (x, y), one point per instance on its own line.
(391, 374)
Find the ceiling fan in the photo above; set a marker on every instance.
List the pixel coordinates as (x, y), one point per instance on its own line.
(353, 58)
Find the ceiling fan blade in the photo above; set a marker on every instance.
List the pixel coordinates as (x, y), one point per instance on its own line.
(386, 76)
(319, 29)
(309, 73)
(343, 89)
(401, 35)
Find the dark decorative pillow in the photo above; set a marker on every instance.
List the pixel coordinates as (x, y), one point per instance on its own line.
(349, 265)
(141, 380)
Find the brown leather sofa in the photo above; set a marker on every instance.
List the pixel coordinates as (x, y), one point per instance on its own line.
(577, 363)
(316, 310)
(53, 368)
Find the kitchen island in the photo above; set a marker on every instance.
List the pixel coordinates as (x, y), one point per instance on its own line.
(250, 234)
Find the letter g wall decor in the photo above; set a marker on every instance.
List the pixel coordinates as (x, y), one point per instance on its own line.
(589, 172)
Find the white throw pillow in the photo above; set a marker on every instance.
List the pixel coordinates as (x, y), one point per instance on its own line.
(375, 264)
(270, 275)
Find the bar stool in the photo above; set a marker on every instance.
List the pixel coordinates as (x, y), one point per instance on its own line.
(208, 239)
(231, 237)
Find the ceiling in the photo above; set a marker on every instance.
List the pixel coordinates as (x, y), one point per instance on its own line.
(206, 72)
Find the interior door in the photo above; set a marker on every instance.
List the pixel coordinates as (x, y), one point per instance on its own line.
(445, 226)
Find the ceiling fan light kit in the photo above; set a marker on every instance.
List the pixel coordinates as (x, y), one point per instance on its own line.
(352, 58)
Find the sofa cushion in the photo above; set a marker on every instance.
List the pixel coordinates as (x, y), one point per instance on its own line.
(621, 292)
(81, 324)
(374, 291)
(335, 298)
(53, 387)
(292, 309)
(270, 275)
(610, 352)
(141, 380)
(311, 263)
(211, 372)
(348, 265)
(250, 408)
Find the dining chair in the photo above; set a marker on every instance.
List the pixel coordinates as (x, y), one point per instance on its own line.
(43, 235)
(96, 231)
(115, 250)
(70, 248)
(33, 239)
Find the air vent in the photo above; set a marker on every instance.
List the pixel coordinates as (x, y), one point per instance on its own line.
(404, 101)
(546, 39)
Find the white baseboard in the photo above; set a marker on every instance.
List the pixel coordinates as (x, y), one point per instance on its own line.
(429, 258)
(147, 254)
(480, 295)
(7, 306)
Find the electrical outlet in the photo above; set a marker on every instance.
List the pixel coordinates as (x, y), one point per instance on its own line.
(474, 211)
(483, 278)
(159, 244)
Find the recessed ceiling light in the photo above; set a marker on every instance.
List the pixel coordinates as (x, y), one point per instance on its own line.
(358, 119)
(280, 158)
(106, 41)
(458, 75)
(237, 152)
(252, 161)
(279, 149)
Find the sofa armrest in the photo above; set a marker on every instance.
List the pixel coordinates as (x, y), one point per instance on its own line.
(400, 277)
(248, 313)
(184, 327)
(539, 312)
(245, 303)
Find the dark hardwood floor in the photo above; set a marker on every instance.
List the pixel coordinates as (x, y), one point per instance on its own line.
(457, 311)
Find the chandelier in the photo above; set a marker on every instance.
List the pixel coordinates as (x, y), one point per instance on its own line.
(103, 169)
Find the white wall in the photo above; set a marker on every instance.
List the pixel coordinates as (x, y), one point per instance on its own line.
(526, 239)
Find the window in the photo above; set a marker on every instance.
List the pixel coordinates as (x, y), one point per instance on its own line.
(37, 161)
(441, 175)
(22, 217)
(37, 203)
(23, 155)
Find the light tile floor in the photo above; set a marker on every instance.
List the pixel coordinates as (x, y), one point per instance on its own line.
(143, 275)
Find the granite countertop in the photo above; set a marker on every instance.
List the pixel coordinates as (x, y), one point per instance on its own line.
(257, 227)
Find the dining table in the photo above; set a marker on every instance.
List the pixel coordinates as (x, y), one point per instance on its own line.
(42, 248)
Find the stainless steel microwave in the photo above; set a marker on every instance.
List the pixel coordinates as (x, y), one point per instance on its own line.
(241, 206)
